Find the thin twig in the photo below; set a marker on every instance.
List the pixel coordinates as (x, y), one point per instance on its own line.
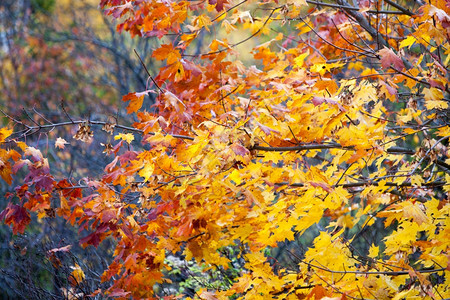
(65, 112)
(148, 73)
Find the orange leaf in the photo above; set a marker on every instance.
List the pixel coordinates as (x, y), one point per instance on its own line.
(136, 100)
(167, 51)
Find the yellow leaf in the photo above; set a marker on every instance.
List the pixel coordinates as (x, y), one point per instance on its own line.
(77, 274)
(300, 59)
(228, 27)
(202, 21)
(438, 104)
(406, 294)
(414, 211)
(373, 251)
(4, 133)
(447, 185)
(408, 42)
(432, 94)
(417, 180)
(147, 171)
(128, 137)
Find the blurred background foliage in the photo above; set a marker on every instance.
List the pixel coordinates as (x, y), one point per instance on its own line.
(53, 51)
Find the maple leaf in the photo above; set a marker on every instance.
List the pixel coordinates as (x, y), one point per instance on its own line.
(174, 101)
(60, 143)
(4, 133)
(322, 185)
(208, 295)
(77, 275)
(389, 58)
(166, 51)
(318, 292)
(119, 10)
(408, 42)
(128, 137)
(35, 154)
(136, 100)
(206, 194)
(17, 216)
(147, 171)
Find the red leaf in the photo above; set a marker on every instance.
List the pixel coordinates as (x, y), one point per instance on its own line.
(189, 66)
(92, 239)
(389, 88)
(108, 215)
(19, 164)
(17, 216)
(320, 100)
(389, 58)
(43, 182)
(109, 167)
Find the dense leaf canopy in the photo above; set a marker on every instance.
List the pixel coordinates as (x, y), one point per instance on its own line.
(316, 130)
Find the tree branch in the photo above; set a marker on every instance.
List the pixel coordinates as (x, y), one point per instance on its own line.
(359, 17)
(388, 12)
(399, 7)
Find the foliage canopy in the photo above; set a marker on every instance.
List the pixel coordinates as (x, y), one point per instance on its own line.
(327, 141)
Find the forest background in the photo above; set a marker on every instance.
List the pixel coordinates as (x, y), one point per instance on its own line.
(224, 149)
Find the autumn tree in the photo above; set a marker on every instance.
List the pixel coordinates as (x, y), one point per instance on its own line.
(54, 56)
(306, 130)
